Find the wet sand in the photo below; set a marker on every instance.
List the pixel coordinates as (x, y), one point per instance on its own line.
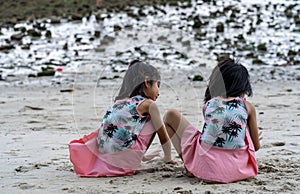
(37, 122)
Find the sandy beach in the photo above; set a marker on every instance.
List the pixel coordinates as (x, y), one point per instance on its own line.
(37, 123)
(39, 116)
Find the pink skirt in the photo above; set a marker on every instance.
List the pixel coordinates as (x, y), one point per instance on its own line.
(89, 162)
(217, 164)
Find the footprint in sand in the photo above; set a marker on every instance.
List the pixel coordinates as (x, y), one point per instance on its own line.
(24, 186)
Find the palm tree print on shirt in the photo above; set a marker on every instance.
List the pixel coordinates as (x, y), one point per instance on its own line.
(229, 118)
(233, 104)
(121, 125)
(107, 114)
(110, 130)
(231, 130)
(219, 142)
(219, 110)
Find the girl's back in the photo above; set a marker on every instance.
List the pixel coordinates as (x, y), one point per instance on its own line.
(121, 125)
(230, 122)
(225, 122)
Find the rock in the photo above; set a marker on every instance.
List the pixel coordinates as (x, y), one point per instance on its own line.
(12, 21)
(251, 30)
(197, 22)
(186, 43)
(48, 34)
(5, 48)
(262, 47)
(107, 39)
(22, 29)
(55, 20)
(78, 39)
(40, 26)
(17, 37)
(46, 71)
(34, 33)
(97, 33)
(297, 20)
(196, 77)
(65, 47)
(240, 37)
(250, 55)
(177, 188)
(76, 16)
(220, 27)
(26, 46)
(117, 28)
(258, 62)
(292, 53)
(182, 55)
(100, 49)
(141, 13)
(162, 38)
(200, 35)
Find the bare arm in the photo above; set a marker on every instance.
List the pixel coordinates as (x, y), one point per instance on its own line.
(150, 107)
(252, 125)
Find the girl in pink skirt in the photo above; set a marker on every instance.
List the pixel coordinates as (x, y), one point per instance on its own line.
(127, 129)
(225, 149)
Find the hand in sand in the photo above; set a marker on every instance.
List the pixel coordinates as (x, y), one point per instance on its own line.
(150, 156)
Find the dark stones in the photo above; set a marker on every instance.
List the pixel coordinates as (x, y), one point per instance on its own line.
(220, 27)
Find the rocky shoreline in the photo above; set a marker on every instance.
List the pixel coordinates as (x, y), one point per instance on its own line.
(13, 12)
(33, 46)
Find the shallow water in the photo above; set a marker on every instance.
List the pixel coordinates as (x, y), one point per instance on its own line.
(166, 38)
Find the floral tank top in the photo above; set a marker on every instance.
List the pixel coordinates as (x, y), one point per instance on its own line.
(225, 123)
(121, 125)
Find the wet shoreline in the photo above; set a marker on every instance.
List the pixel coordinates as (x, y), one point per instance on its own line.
(189, 36)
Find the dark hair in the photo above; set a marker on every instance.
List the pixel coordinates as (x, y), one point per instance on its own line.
(134, 80)
(228, 79)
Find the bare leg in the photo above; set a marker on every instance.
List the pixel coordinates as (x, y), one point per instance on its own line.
(175, 124)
